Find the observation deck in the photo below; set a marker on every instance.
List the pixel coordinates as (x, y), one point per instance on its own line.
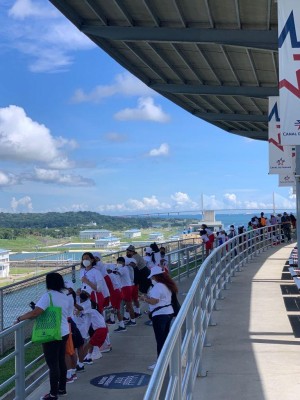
(254, 349)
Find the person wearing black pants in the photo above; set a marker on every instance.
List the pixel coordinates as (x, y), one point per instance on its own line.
(54, 353)
(161, 326)
(160, 306)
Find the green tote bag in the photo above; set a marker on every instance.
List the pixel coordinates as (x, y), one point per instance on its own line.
(47, 326)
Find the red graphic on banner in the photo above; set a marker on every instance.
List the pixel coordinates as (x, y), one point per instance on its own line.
(288, 85)
(277, 144)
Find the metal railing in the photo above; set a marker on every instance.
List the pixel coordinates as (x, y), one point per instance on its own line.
(17, 296)
(185, 259)
(181, 360)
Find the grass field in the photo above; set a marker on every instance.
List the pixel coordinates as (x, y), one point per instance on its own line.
(31, 353)
(38, 243)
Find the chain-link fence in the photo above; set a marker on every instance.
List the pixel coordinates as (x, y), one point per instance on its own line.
(15, 298)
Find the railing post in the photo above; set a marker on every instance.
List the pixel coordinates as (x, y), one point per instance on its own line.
(20, 363)
(175, 368)
(188, 262)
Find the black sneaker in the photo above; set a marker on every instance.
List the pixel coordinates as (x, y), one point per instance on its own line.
(137, 315)
(130, 323)
(48, 397)
(120, 329)
(79, 369)
(88, 361)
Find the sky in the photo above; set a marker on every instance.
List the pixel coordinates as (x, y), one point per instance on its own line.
(80, 133)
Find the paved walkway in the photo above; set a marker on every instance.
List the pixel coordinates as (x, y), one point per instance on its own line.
(133, 351)
(254, 354)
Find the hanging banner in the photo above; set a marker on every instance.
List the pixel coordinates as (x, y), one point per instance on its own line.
(281, 158)
(287, 180)
(289, 70)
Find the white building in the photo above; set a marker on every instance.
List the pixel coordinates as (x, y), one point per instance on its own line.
(156, 236)
(4, 263)
(94, 234)
(132, 233)
(110, 241)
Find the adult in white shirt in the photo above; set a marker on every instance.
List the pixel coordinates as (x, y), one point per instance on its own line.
(54, 351)
(160, 306)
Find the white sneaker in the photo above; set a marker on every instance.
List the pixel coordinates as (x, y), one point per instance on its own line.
(96, 354)
(106, 348)
(151, 367)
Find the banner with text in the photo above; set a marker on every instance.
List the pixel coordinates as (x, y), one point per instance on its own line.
(289, 72)
(287, 180)
(282, 159)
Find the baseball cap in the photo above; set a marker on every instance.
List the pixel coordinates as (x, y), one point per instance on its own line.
(155, 271)
(131, 248)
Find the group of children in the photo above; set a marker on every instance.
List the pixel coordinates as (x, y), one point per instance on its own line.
(106, 287)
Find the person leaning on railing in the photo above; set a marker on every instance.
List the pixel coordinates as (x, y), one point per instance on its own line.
(54, 351)
(160, 306)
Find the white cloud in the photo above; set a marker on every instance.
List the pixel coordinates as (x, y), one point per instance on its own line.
(25, 140)
(125, 84)
(146, 111)
(27, 8)
(56, 177)
(40, 31)
(23, 204)
(7, 179)
(131, 205)
(163, 150)
(183, 199)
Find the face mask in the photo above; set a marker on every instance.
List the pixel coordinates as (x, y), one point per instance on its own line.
(86, 263)
(153, 282)
(119, 265)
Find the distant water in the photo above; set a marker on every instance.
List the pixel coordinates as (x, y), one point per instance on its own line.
(235, 219)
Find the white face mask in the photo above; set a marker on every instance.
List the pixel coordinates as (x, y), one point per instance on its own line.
(119, 265)
(153, 282)
(86, 263)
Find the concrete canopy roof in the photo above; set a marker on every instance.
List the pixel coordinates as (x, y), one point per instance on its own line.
(217, 59)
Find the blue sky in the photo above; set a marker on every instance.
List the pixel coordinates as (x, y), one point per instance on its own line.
(78, 132)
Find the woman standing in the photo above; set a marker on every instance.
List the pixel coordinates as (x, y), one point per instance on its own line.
(159, 301)
(54, 351)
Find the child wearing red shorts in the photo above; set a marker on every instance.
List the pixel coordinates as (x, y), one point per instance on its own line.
(99, 335)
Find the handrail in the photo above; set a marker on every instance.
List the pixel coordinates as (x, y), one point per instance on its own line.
(181, 360)
(193, 255)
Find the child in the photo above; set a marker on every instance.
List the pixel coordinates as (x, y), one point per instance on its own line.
(115, 299)
(100, 332)
(126, 282)
(82, 319)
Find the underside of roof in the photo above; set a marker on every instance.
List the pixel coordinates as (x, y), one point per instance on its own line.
(217, 59)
